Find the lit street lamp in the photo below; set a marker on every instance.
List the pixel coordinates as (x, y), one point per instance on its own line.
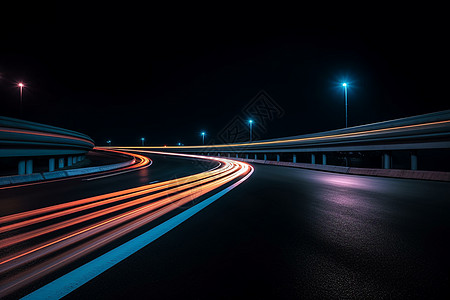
(20, 85)
(345, 92)
(203, 137)
(142, 140)
(108, 142)
(250, 122)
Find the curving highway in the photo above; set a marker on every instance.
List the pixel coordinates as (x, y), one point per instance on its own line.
(279, 233)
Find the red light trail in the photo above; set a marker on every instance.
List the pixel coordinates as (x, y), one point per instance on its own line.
(38, 242)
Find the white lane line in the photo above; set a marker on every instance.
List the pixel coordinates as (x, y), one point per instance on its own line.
(76, 278)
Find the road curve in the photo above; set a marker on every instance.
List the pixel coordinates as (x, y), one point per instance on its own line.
(37, 243)
(293, 234)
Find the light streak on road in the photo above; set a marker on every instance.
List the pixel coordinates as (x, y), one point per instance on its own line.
(40, 241)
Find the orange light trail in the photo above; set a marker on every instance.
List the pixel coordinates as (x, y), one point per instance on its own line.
(30, 132)
(28, 238)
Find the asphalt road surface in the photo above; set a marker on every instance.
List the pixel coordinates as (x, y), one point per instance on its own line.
(284, 233)
(292, 233)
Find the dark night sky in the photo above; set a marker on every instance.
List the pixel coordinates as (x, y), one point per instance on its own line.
(121, 74)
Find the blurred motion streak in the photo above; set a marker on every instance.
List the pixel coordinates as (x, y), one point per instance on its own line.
(37, 242)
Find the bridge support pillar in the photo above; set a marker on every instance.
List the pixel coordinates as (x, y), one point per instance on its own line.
(386, 161)
(294, 158)
(51, 165)
(60, 162)
(278, 157)
(313, 158)
(324, 159)
(69, 161)
(29, 166)
(265, 156)
(21, 167)
(413, 161)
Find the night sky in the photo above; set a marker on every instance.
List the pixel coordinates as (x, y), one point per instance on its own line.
(121, 74)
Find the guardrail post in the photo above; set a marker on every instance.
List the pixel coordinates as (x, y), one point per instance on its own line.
(265, 156)
(60, 162)
(29, 166)
(313, 158)
(294, 158)
(69, 161)
(386, 161)
(324, 159)
(278, 157)
(51, 165)
(21, 167)
(413, 161)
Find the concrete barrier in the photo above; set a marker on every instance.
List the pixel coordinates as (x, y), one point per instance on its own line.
(5, 180)
(394, 173)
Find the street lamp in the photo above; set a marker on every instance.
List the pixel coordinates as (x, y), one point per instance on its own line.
(203, 137)
(108, 142)
(142, 140)
(345, 93)
(250, 122)
(20, 85)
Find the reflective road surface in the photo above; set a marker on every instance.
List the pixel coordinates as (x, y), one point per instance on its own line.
(287, 233)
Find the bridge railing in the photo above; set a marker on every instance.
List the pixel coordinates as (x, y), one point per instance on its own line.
(25, 141)
(428, 131)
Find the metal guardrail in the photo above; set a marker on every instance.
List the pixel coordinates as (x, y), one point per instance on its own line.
(19, 138)
(429, 131)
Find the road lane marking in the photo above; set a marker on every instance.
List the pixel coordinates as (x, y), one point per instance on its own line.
(83, 274)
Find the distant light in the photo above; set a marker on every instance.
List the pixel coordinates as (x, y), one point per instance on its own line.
(344, 84)
(20, 84)
(250, 121)
(142, 139)
(203, 133)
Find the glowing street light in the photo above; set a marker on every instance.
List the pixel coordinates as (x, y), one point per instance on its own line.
(142, 140)
(20, 85)
(345, 93)
(203, 137)
(250, 122)
(108, 142)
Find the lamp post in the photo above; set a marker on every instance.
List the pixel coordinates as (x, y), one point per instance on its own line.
(203, 137)
(250, 122)
(20, 85)
(345, 94)
(142, 140)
